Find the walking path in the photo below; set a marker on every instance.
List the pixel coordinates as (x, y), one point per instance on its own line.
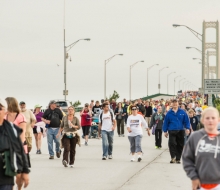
(92, 173)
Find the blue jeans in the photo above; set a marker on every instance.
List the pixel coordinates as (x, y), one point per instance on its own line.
(135, 143)
(107, 142)
(6, 187)
(51, 135)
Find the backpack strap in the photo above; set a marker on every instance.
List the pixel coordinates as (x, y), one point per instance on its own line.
(101, 117)
(110, 114)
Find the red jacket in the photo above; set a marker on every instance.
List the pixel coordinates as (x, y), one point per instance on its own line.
(86, 119)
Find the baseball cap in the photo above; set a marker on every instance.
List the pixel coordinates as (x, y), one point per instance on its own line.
(37, 106)
(52, 102)
(3, 103)
(22, 102)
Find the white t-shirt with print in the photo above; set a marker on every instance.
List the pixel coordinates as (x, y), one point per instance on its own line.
(106, 121)
(135, 124)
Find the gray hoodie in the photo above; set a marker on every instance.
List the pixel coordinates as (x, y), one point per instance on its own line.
(201, 157)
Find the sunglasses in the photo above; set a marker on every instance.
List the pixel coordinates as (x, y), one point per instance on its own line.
(133, 109)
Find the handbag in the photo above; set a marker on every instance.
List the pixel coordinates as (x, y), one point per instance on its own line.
(153, 129)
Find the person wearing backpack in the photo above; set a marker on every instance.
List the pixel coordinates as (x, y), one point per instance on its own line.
(107, 126)
(52, 117)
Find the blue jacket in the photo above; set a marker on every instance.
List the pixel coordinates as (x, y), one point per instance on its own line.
(176, 121)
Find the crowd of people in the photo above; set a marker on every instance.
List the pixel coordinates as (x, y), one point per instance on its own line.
(191, 128)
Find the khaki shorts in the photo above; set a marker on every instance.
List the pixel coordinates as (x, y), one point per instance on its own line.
(148, 120)
(29, 141)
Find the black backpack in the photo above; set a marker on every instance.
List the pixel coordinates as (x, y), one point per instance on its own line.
(110, 114)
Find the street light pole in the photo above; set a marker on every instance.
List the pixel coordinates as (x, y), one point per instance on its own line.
(131, 66)
(175, 84)
(105, 63)
(184, 85)
(201, 37)
(180, 81)
(66, 49)
(168, 82)
(159, 77)
(148, 74)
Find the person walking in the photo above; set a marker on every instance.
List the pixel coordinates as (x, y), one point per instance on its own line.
(135, 132)
(91, 104)
(14, 116)
(107, 126)
(52, 117)
(70, 126)
(38, 131)
(30, 121)
(148, 113)
(157, 122)
(120, 113)
(201, 155)
(86, 122)
(174, 123)
(162, 106)
(198, 110)
(125, 107)
(11, 146)
(141, 107)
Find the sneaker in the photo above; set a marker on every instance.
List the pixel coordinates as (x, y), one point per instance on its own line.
(86, 143)
(110, 157)
(178, 162)
(123, 135)
(119, 135)
(132, 159)
(65, 163)
(71, 166)
(51, 157)
(159, 147)
(156, 147)
(104, 158)
(139, 159)
(58, 154)
(39, 151)
(173, 160)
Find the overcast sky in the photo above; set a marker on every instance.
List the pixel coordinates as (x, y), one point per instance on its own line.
(31, 46)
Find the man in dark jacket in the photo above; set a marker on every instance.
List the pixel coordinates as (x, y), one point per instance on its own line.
(52, 117)
(10, 147)
(141, 107)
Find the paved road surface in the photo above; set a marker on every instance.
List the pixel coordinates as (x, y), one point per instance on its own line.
(91, 173)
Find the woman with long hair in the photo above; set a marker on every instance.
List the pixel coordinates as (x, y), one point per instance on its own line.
(14, 116)
(120, 113)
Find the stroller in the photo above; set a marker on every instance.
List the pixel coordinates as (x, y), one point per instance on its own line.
(94, 128)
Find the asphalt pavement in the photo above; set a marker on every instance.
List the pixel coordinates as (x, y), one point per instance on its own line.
(92, 173)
